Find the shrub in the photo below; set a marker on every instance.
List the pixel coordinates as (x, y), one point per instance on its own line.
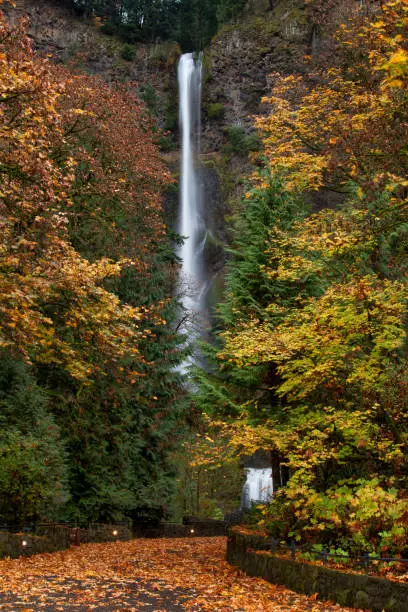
(240, 142)
(108, 28)
(166, 142)
(149, 96)
(128, 52)
(215, 110)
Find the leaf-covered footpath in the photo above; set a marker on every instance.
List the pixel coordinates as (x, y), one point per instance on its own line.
(159, 575)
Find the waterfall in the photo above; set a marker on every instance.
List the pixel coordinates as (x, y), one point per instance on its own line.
(258, 486)
(192, 280)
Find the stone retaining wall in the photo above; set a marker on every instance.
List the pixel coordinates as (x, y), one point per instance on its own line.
(172, 530)
(51, 538)
(17, 544)
(58, 536)
(353, 590)
(105, 533)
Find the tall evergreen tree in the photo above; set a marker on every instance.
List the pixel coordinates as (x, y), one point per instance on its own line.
(33, 472)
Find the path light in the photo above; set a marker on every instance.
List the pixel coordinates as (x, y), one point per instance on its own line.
(115, 532)
(24, 543)
(191, 530)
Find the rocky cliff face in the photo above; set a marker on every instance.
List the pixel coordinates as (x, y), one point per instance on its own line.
(62, 33)
(65, 36)
(270, 36)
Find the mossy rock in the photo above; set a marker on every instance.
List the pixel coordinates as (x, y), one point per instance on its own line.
(240, 142)
(215, 110)
(215, 291)
(343, 597)
(362, 600)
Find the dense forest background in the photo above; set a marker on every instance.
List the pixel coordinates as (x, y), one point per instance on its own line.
(191, 23)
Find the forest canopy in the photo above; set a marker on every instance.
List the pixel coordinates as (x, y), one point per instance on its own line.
(191, 23)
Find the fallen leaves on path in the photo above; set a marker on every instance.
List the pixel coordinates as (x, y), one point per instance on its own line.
(159, 575)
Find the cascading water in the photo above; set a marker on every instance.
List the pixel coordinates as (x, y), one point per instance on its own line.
(191, 225)
(193, 281)
(258, 486)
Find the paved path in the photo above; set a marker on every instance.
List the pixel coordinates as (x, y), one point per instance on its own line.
(163, 575)
(73, 595)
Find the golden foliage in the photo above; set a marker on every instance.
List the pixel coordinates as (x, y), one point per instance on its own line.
(54, 308)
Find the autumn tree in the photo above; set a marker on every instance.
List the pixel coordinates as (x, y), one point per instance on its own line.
(84, 295)
(328, 314)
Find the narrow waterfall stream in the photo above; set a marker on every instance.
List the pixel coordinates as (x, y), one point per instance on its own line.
(192, 281)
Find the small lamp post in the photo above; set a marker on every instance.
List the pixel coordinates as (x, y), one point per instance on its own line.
(25, 545)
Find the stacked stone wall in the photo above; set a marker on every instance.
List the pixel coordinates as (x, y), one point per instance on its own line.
(51, 538)
(353, 590)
